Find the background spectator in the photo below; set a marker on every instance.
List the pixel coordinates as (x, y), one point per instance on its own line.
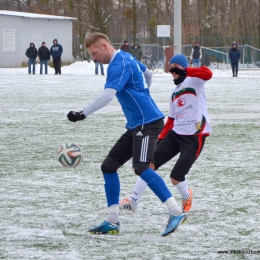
(234, 56)
(56, 51)
(44, 57)
(87, 57)
(126, 47)
(196, 55)
(137, 52)
(31, 53)
(97, 64)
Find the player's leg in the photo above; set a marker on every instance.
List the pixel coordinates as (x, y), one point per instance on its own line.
(164, 152)
(131, 203)
(144, 144)
(118, 155)
(190, 149)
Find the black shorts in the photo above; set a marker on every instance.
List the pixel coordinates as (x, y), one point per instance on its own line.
(189, 147)
(139, 143)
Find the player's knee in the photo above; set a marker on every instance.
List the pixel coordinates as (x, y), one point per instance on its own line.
(152, 166)
(140, 167)
(110, 165)
(155, 166)
(177, 177)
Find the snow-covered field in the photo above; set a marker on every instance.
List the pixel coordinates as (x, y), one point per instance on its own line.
(46, 210)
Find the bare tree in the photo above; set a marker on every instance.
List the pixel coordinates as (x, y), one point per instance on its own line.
(213, 23)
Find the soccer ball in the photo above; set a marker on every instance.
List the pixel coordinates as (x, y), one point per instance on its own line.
(70, 155)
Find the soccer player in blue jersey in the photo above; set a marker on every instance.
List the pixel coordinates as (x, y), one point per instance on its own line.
(128, 80)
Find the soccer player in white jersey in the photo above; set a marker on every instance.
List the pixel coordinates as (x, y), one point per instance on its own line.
(184, 133)
(127, 80)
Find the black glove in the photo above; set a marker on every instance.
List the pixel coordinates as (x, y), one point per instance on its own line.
(75, 116)
(178, 71)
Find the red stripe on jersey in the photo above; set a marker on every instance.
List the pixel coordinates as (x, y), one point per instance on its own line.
(199, 146)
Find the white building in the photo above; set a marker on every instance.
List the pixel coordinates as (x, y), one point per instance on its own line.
(19, 29)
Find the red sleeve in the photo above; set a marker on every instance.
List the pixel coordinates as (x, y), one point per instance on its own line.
(167, 127)
(202, 73)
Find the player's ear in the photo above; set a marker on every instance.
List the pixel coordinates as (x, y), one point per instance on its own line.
(104, 45)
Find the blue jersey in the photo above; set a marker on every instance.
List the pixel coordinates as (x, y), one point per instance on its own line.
(126, 76)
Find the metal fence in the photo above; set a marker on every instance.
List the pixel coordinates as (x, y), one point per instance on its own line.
(154, 55)
(218, 57)
(250, 56)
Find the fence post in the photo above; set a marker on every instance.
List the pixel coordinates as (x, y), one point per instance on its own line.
(244, 56)
(227, 61)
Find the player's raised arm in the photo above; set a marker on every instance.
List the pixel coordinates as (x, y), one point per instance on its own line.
(202, 73)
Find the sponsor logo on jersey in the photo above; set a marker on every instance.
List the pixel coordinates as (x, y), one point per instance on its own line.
(181, 102)
(198, 125)
(139, 133)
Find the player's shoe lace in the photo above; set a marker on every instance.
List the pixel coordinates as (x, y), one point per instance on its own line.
(106, 228)
(128, 204)
(186, 204)
(173, 224)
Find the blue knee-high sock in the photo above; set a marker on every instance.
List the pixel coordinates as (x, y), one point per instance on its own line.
(156, 184)
(112, 188)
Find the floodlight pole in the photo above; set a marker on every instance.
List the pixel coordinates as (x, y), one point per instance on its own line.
(177, 26)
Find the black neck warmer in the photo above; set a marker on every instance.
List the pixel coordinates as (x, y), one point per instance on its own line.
(179, 80)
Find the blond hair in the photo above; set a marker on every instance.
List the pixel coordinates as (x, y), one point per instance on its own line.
(94, 37)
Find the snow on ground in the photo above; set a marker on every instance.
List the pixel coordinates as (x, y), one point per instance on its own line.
(46, 210)
(88, 68)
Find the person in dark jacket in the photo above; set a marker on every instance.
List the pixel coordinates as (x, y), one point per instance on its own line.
(137, 52)
(126, 47)
(234, 56)
(31, 53)
(196, 55)
(56, 51)
(44, 57)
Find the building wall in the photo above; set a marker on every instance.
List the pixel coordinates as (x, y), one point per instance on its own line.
(29, 30)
